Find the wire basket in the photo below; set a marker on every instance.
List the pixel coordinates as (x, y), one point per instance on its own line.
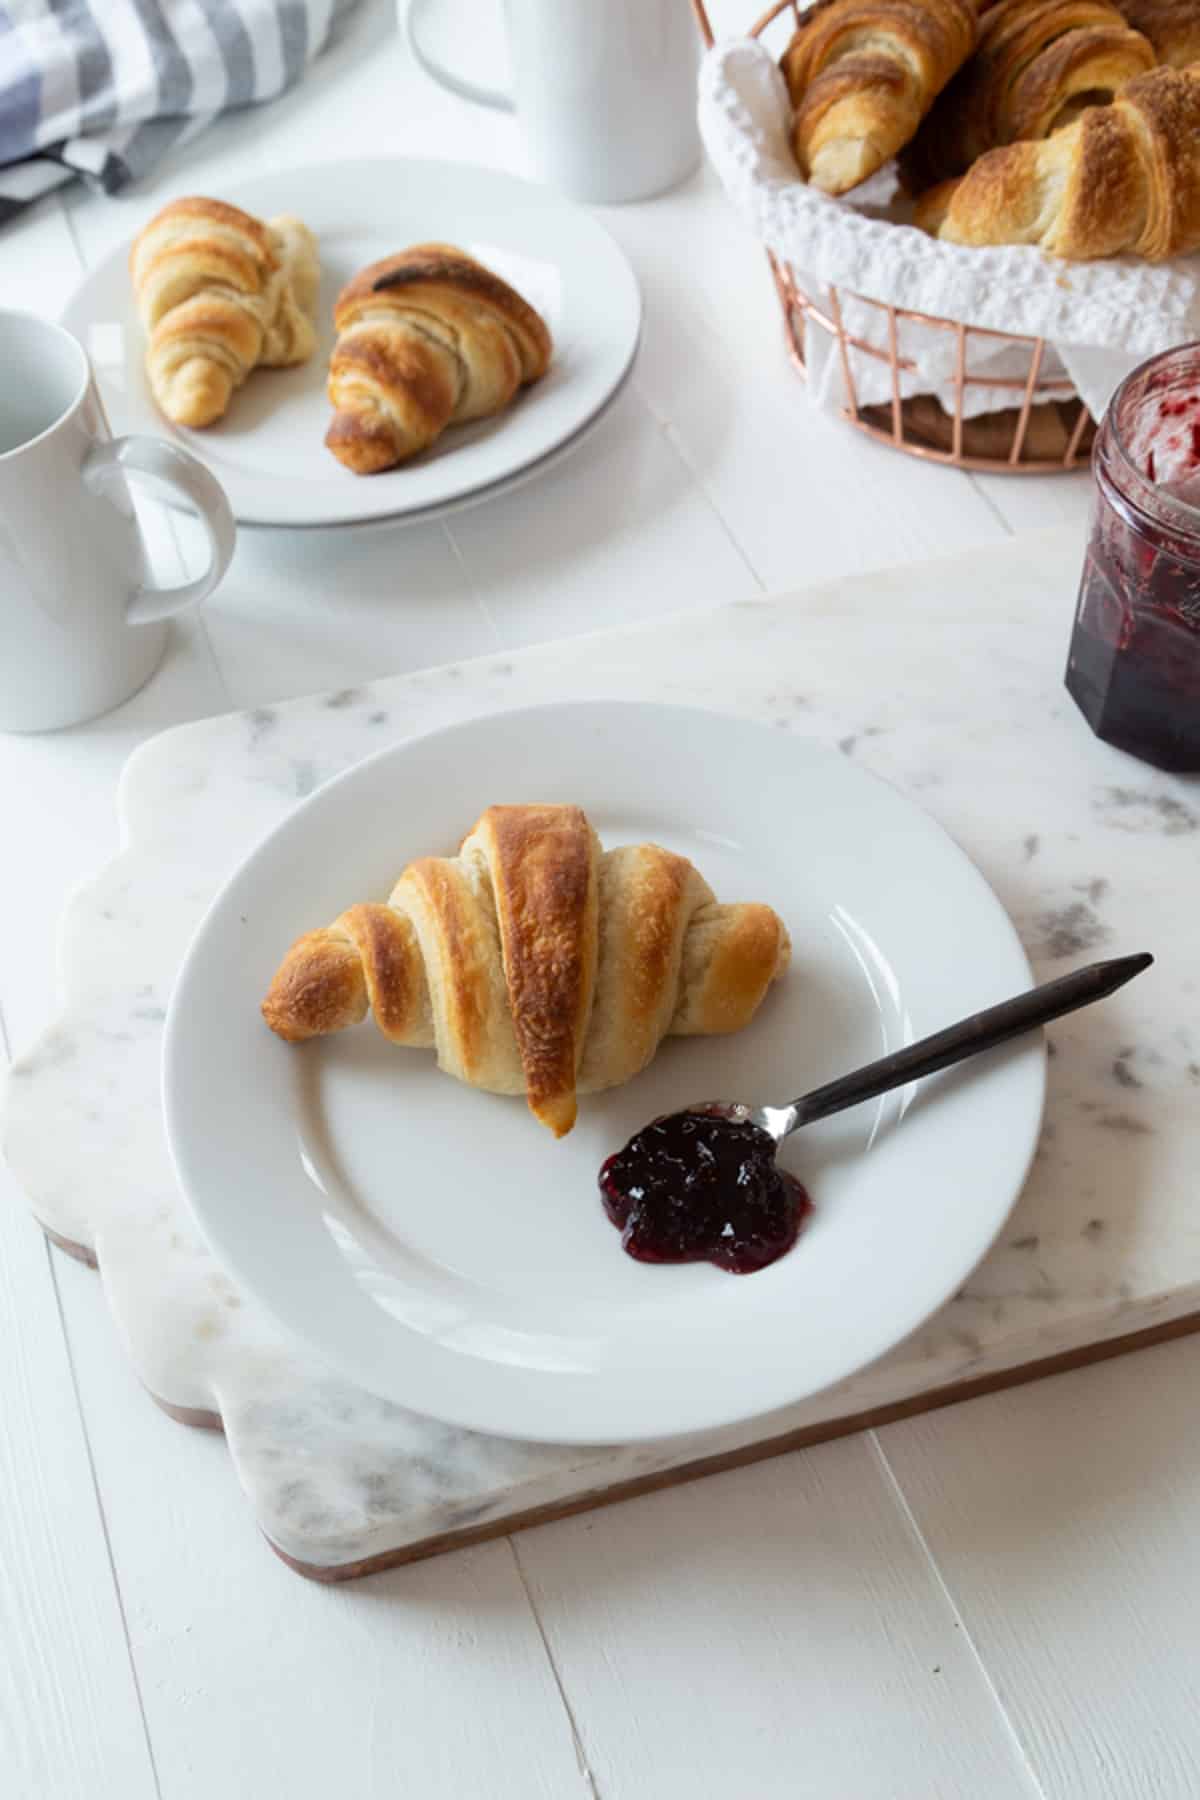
(1046, 429)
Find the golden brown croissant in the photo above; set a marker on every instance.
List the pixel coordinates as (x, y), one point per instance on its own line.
(1038, 64)
(862, 74)
(425, 339)
(1172, 26)
(219, 293)
(534, 962)
(1123, 178)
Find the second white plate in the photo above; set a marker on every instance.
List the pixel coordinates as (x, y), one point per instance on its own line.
(268, 452)
(439, 1247)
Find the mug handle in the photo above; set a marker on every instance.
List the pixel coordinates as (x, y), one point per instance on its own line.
(104, 470)
(466, 90)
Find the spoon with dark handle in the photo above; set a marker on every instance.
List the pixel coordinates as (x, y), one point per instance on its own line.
(982, 1031)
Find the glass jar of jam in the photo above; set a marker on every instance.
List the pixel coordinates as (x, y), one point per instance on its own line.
(1134, 663)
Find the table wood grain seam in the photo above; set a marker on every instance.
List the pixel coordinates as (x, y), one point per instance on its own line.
(586, 1773)
(205, 637)
(993, 507)
(5, 1062)
(477, 595)
(673, 438)
(892, 1482)
(104, 1526)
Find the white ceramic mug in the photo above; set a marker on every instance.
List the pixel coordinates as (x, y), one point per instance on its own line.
(79, 629)
(605, 90)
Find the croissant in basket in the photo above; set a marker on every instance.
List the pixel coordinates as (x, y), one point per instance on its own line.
(221, 293)
(426, 339)
(534, 962)
(1123, 178)
(862, 74)
(1172, 26)
(1039, 63)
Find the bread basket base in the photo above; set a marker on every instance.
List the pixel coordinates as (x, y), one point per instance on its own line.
(1046, 431)
(927, 428)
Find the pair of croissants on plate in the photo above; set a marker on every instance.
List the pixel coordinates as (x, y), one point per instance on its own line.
(426, 338)
(1069, 124)
(535, 962)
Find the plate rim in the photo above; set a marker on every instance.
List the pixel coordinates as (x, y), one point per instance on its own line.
(466, 1417)
(116, 258)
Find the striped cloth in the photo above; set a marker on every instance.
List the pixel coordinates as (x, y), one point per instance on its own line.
(104, 89)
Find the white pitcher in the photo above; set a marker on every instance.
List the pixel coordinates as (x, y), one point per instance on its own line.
(605, 90)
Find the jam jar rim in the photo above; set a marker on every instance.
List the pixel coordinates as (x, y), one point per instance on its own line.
(1131, 484)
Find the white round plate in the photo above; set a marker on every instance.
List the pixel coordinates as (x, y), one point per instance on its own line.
(268, 452)
(438, 1246)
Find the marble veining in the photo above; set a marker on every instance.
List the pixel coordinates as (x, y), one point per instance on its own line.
(1089, 851)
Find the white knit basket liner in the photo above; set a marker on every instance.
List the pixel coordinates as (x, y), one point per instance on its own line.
(1101, 319)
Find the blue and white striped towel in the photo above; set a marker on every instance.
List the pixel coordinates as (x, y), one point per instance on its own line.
(104, 88)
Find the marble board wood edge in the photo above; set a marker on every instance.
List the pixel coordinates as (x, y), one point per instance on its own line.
(868, 1418)
(1081, 1268)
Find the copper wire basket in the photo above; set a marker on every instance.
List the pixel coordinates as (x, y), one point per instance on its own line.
(1044, 430)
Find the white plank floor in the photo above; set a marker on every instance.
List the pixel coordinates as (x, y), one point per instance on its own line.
(997, 1600)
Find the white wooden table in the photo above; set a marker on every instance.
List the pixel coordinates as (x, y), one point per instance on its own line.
(995, 1600)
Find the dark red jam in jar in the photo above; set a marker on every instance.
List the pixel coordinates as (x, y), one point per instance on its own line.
(695, 1187)
(1134, 663)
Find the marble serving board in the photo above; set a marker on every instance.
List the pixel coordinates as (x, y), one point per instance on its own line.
(946, 680)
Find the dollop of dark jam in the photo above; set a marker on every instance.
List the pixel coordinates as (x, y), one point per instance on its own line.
(695, 1187)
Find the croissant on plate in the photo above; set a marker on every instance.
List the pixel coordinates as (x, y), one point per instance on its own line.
(1172, 26)
(426, 339)
(862, 74)
(1122, 178)
(221, 293)
(1037, 65)
(534, 962)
